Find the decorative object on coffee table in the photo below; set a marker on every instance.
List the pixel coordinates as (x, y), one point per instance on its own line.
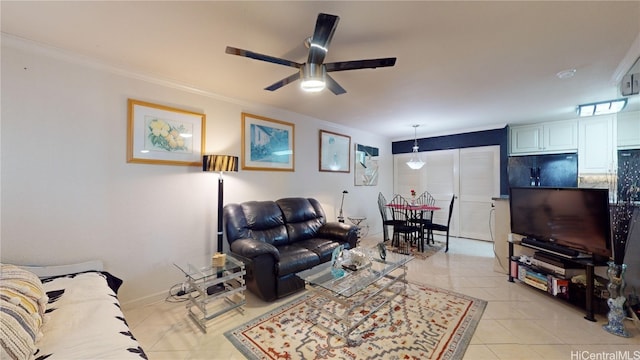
(382, 250)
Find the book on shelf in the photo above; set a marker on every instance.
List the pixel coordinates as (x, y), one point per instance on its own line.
(558, 287)
(529, 276)
(535, 283)
(551, 283)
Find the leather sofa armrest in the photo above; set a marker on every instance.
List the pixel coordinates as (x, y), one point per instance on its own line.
(341, 232)
(251, 248)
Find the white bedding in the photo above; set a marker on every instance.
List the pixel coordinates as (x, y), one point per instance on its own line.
(84, 321)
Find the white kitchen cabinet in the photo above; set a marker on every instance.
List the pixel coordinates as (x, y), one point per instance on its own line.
(526, 139)
(549, 137)
(629, 130)
(596, 145)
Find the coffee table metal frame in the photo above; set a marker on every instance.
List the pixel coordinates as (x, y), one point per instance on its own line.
(345, 288)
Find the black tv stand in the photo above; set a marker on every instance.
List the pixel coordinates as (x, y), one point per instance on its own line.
(587, 263)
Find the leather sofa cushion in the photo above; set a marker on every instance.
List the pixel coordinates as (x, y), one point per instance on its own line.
(321, 247)
(294, 259)
(302, 218)
(260, 220)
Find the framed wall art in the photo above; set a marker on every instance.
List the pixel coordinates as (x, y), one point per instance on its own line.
(158, 134)
(335, 152)
(366, 165)
(267, 144)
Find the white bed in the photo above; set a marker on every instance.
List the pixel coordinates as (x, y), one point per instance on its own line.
(82, 317)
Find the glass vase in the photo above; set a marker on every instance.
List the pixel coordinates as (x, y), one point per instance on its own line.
(615, 273)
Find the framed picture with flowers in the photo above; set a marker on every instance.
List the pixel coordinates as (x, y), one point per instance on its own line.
(158, 134)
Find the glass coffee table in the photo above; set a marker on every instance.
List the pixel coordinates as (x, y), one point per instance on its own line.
(345, 299)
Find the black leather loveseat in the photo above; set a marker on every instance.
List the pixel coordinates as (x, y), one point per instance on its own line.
(281, 238)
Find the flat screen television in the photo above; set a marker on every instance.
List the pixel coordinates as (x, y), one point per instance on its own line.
(576, 218)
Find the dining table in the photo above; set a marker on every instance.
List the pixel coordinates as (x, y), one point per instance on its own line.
(414, 209)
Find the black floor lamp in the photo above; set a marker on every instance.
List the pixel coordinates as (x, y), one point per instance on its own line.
(220, 163)
(340, 217)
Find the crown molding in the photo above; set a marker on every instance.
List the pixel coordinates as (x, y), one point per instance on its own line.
(633, 54)
(86, 61)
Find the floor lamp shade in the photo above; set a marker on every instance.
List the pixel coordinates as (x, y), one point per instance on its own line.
(220, 163)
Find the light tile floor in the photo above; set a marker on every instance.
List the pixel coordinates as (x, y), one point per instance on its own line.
(519, 322)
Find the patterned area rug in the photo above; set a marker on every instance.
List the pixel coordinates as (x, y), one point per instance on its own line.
(423, 322)
(428, 249)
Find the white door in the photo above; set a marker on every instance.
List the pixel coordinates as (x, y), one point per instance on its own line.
(442, 170)
(479, 183)
(472, 174)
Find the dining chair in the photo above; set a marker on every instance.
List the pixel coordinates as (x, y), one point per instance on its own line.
(440, 227)
(425, 199)
(384, 213)
(402, 215)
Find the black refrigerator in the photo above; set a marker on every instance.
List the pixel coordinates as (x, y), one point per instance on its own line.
(552, 170)
(628, 174)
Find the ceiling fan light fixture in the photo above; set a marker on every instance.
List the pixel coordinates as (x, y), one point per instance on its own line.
(312, 45)
(313, 74)
(313, 77)
(415, 162)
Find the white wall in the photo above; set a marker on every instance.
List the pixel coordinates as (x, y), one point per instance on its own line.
(68, 194)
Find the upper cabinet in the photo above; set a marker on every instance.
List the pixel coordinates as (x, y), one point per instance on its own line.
(596, 146)
(549, 137)
(629, 130)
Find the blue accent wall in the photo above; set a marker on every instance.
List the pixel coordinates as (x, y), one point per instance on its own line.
(464, 140)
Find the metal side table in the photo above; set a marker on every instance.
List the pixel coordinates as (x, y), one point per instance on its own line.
(214, 291)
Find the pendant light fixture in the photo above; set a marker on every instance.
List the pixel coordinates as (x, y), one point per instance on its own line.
(415, 163)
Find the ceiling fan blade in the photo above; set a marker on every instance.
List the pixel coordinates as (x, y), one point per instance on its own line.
(262, 57)
(334, 86)
(283, 82)
(325, 27)
(360, 64)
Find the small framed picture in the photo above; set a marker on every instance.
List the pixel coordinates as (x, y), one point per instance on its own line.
(335, 152)
(267, 144)
(158, 134)
(366, 165)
